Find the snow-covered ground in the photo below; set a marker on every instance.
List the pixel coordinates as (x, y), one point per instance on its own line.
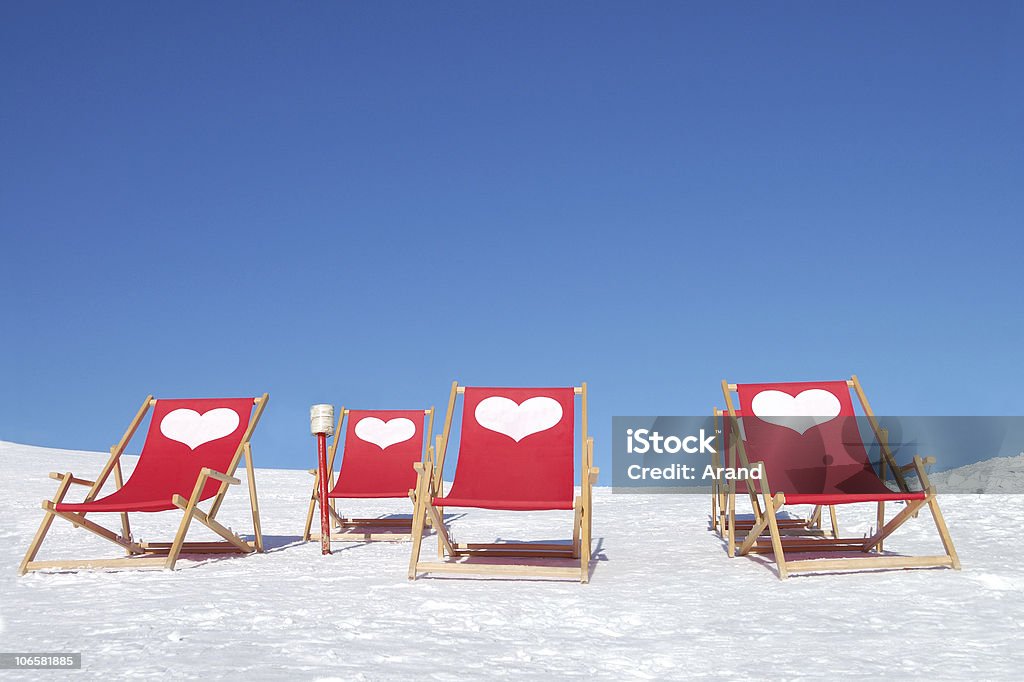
(996, 475)
(664, 601)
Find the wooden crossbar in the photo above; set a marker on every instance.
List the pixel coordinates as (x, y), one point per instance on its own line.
(375, 522)
(499, 569)
(805, 565)
(142, 562)
(567, 553)
(198, 548)
(352, 536)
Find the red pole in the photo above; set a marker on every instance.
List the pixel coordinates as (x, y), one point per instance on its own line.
(325, 517)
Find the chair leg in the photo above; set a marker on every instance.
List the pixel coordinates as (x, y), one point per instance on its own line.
(714, 506)
(771, 506)
(879, 522)
(186, 519)
(44, 525)
(576, 529)
(940, 525)
(585, 548)
(780, 556)
(312, 508)
(419, 514)
(126, 529)
(253, 502)
(940, 521)
(832, 518)
(731, 520)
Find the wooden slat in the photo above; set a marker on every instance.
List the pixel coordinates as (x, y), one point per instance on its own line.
(867, 563)
(499, 569)
(747, 524)
(376, 522)
(801, 549)
(198, 548)
(157, 546)
(567, 553)
(143, 562)
(365, 537)
(512, 545)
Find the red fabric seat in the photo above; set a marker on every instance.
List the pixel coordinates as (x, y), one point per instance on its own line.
(371, 471)
(827, 464)
(168, 466)
(497, 471)
(850, 498)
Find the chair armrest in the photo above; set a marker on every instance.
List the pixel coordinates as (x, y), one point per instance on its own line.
(311, 472)
(592, 474)
(80, 481)
(216, 475)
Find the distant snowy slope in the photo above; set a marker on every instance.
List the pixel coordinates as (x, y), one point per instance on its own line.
(996, 475)
(665, 602)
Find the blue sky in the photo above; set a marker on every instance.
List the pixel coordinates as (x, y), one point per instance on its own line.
(359, 202)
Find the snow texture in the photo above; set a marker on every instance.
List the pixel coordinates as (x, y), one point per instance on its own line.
(664, 601)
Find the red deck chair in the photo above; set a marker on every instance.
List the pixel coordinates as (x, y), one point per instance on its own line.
(724, 494)
(381, 447)
(516, 453)
(806, 440)
(190, 455)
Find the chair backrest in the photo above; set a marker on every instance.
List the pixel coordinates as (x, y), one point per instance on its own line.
(380, 448)
(184, 437)
(808, 437)
(516, 445)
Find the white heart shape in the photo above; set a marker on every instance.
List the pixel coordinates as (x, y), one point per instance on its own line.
(189, 427)
(385, 433)
(799, 413)
(517, 421)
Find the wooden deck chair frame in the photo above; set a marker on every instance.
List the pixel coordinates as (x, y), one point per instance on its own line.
(777, 545)
(723, 504)
(154, 554)
(453, 554)
(363, 529)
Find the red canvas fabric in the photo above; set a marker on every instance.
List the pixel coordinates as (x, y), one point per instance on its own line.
(367, 470)
(826, 462)
(167, 467)
(850, 498)
(494, 471)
